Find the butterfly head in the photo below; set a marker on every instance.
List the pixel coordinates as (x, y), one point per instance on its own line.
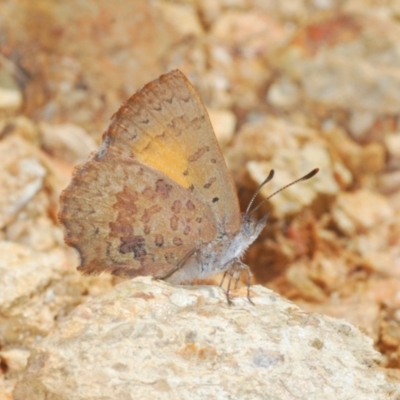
(251, 228)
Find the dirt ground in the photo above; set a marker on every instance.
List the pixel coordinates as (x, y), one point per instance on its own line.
(288, 85)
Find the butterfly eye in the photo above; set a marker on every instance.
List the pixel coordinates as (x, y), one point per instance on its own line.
(248, 225)
(251, 227)
(248, 228)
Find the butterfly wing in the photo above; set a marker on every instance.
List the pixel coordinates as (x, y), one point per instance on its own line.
(166, 126)
(157, 189)
(130, 219)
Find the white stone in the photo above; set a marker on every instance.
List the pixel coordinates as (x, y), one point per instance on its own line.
(10, 99)
(136, 342)
(223, 122)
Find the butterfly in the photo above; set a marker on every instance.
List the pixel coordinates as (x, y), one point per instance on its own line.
(157, 198)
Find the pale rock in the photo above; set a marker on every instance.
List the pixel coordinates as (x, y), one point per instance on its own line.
(250, 32)
(360, 122)
(294, 9)
(67, 142)
(24, 276)
(324, 4)
(283, 93)
(10, 94)
(15, 359)
(182, 17)
(374, 157)
(350, 152)
(21, 176)
(380, 262)
(351, 81)
(10, 99)
(360, 160)
(298, 277)
(37, 232)
(380, 246)
(359, 211)
(210, 10)
(263, 138)
(146, 339)
(357, 72)
(28, 194)
(221, 55)
(21, 126)
(343, 221)
(6, 388)
(359, 309)
(233, 78)
(392, 146)
(378, 10)
(224, 123)
(343, 176)
(394, 198)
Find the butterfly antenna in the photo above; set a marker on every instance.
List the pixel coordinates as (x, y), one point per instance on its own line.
(270, 176)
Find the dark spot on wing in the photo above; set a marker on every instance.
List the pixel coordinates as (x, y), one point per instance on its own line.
(209, 183)
(159, 241)
(174, 222)
(149, 212)
(163, 188)
(198, 153)
(177, 241)
(190, 206)
(134, 244)
(176, 206)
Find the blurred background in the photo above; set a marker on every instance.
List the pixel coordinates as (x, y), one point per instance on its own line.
(289, 85)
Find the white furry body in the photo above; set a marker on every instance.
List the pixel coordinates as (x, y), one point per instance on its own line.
(219, 255)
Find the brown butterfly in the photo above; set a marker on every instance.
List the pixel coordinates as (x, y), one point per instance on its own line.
(157, 198)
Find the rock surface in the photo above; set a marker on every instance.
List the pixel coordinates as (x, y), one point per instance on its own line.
(148, 340)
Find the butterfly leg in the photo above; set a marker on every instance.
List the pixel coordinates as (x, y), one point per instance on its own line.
(223, 277)
(235, 270)
(241, 267)
(230, 271)
(238, 273)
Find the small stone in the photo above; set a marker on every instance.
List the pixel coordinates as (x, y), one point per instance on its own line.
(389, 182)
(374, 157)
(15, 359)
(342, 174)
(24, 274)
(365, 209)
(251, 32)
(182, 17)
(360, 122)
(224, 123)
(21, 176)
(392, 147)
(10, 99)
(283, 93)
(67, 141)
(10, 95)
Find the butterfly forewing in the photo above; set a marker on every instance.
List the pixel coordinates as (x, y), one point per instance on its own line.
(165, 125)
